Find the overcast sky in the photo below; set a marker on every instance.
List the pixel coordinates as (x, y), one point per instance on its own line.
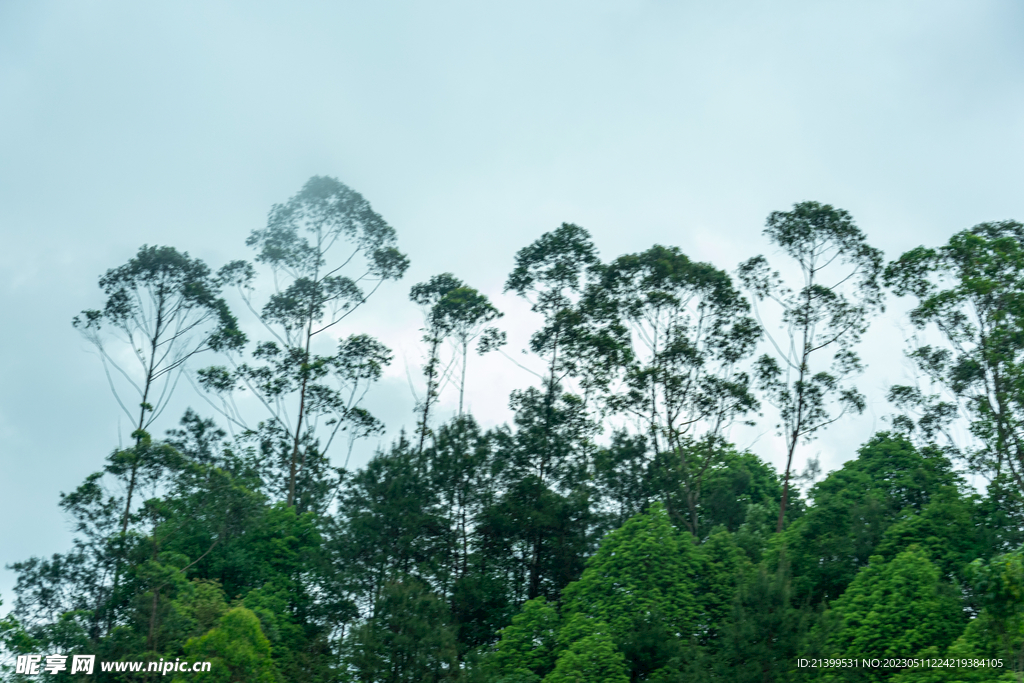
(472, 128)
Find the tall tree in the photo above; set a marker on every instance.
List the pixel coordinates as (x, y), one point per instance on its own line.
(971, 290)
(166, 307)
(827, 311)
(455, 311)
(550, 449)
(541, 522)
(552, 274)
(690, 329)
(328, 252)
(470, 311)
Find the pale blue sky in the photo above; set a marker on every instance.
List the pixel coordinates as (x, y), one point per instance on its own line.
(472, 128)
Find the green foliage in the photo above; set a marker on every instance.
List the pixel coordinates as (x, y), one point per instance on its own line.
(641, 583)
(389, 523)
(643, 567)
(896, 609)
(724, 569)
(855, 505)
(237, 649)
(938, 530)
(998, 586)
(764, 634)
(591, 658)
(528, 645)
(541, 521)
(538, 551)
(409, 638)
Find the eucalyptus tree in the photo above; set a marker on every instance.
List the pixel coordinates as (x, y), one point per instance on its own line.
(545, 463)
(162, 308)
(456, 312)
(469, 312)
(552, 274)
(827, 311)
(690, 330)
(328, 252)
(438, 327)
(971, 290)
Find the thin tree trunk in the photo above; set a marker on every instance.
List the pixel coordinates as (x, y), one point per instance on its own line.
(785, 484)
(462, 383)
(431, 371)
(793, 437)
(302, 409)
(135, 459)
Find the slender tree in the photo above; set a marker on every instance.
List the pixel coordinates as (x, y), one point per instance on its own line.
(166, 308)
(469, 312)
(971, 290)
(328, 252)
(452, 311)
(438, 326)
(689, 331)
(552, 274)
(827, 311)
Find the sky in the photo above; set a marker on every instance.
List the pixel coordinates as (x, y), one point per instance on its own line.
(472, 128)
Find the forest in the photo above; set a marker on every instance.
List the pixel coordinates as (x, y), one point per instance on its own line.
(611, 531)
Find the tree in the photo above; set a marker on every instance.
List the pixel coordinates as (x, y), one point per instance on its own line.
(972, 291)
(237, 650)
(896, 609)
(389, 523)
(829, 311)
(998, 586)
(438, 327)
(409, 639)
(641, 583)
(452, 310)
(541, 523)
(689, 331)
(854, 507)
(460, 463)
(724, 569)
(591, 658)
(528, 646)
(165, 306)
(470, 311)
(762, 638)
(739, 480)
(323, 247)
(553, 436)
(552, 274)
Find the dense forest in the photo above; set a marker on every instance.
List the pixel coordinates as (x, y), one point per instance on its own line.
(610, 532)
